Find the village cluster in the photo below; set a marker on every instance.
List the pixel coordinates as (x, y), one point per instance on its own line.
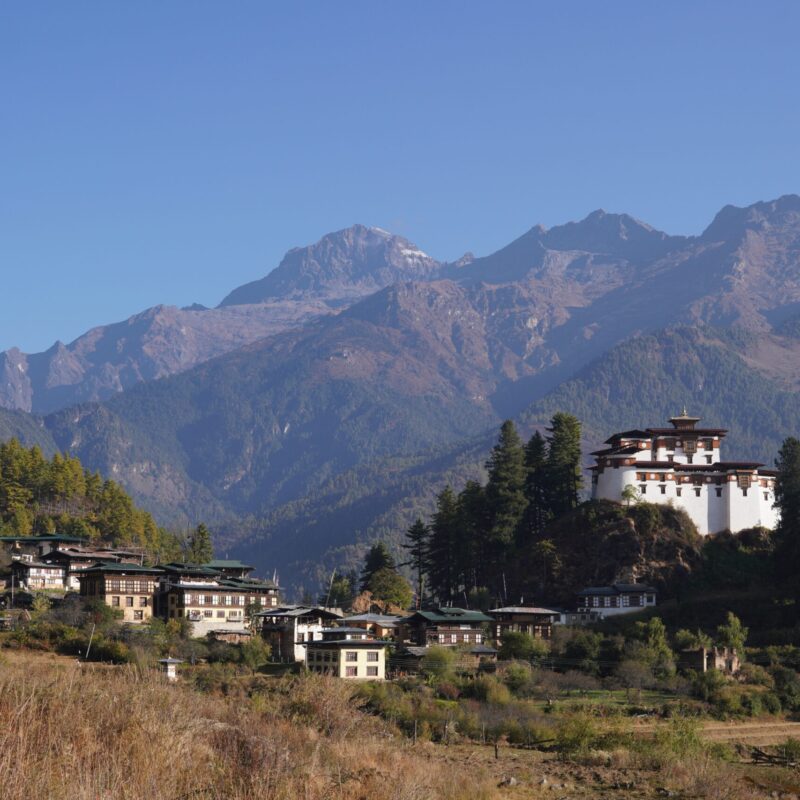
(679, 465)
(220, 600)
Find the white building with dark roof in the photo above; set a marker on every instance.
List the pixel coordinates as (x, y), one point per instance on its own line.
(682, 466)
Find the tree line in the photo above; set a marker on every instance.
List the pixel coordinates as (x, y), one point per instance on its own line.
(485, 543)
(40, 495)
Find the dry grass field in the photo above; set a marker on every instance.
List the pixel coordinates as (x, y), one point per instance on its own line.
(90, 732)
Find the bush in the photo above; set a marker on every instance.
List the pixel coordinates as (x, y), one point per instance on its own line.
(575, 734)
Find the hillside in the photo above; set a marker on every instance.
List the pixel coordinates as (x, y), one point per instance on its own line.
(339, 429)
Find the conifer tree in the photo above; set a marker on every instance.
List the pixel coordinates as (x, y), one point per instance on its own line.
(473, 528)
(537, 513)
(564, 463)
(201, 551)
(378, 557)
(787, 499)
(417, 537)
(505, 496)
(443, 545)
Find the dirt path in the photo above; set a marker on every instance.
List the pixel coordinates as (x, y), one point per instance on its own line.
(758, 732)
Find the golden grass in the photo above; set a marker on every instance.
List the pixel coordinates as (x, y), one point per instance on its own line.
(93, 733)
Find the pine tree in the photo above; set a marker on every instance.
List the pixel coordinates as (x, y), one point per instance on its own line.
(378, 557)
(441, 566)
(473, 532)
(537, 513)
(564, 479)
(787, 535)
(505, 497)
(417, 538)
(201, 551)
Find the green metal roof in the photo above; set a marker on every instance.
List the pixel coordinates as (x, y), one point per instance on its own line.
(37, 539)
(227, 564)
(186, 568)
(121, 568)
(451, 615)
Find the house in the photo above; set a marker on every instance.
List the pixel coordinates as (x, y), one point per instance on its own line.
(288, 628)
(535, 621)
(381, 626)
(209, 599)
(129, 587)
(347, 653)
(682, 466)
(619, 598)
(230, 568)
(444, 626)
(703, 659)
(407, 659)
(76, 558)
(37, 546)
(37, 575)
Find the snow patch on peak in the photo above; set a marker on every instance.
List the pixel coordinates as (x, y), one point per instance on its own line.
(411, 253)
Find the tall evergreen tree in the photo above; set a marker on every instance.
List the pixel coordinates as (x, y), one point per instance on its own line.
(378, 557)
(537, 513)
(787, 499)
(443, 546)
(564, 479)
(505, 496)
(473, 531)
(200, 551)
(417, 539)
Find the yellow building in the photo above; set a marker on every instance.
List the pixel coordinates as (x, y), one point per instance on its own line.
(349, 653)
(128, 587)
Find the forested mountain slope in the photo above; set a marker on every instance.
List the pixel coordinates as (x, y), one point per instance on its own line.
(339, 429)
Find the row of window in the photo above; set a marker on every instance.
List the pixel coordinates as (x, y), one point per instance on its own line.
(116, 601)
(679, 491)
(623, 601)
(350, 672)
(134, 586)
(454, 638)
(350, 655)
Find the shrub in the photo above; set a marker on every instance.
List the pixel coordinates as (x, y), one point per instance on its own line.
(575, 734)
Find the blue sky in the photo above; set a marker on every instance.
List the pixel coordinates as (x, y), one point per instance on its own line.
(157, 152)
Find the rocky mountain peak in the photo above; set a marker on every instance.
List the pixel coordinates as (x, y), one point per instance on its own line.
(341, 266)
(618, 235)
(732, 222)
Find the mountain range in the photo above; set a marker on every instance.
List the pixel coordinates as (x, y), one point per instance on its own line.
(323, 405)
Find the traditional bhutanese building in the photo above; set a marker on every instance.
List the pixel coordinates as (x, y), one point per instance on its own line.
(681, 466)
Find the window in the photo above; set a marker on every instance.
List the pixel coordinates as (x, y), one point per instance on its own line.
(372, 656)
(708, 459)
(372, 672)
(351, 655)
(453, 638)
(129, 602)
(718, 490)
(143, 602)
(678, 491)
(697, 491)
(115, 601)
(138, 615)
(663, 489)
(766, 495)
(220, 615)
(228, 600)
(744, 492)
(208, 613)
(212, 599)
(351, 672)
(240, 600)
(643, 488)
(200, 600)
